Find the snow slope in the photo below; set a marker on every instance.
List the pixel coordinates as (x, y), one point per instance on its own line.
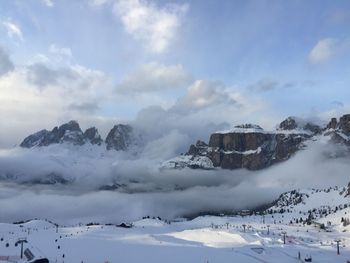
(254, 238)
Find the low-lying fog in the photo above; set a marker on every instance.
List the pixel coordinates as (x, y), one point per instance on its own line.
(144, 189)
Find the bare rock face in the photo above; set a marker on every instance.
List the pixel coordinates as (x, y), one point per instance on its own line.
(348, 192)
(249, 146)
(119, 138)
(288, 124)
(344, 124)
(253, 150)
(34, 139)
(92, 136)
(339, 131)
(332, 124)
(291, 123)
(66, 133)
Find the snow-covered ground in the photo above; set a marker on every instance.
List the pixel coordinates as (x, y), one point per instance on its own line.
(203, 239)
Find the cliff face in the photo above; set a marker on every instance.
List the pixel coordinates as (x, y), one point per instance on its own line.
(339, 131)
(119, 138)
(247, 146)
(251, 149)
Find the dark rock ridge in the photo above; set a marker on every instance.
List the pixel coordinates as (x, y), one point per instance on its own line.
(119, 138)
(249, 146)
(291, 123)
(93, 136)
(339, 131)
(68, 132)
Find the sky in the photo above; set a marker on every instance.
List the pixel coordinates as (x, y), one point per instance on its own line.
(171, 65)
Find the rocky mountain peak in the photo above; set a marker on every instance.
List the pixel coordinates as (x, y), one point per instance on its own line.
(288, 124)
(70, 132)
(344, 124)
(92, 136)
(34, 139)
(119, 138)
(293, 123)
(332, 124)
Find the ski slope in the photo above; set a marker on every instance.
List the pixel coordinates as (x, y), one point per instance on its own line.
(204, 239)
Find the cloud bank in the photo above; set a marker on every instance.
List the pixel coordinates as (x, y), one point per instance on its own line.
(148, 190)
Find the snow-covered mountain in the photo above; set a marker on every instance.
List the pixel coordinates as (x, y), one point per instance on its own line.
(120, 138)
(68, 155)
(251, 147)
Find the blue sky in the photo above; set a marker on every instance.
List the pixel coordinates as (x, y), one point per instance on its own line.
(289, 57)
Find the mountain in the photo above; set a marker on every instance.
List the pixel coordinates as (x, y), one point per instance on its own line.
(247, 146)
(339, 131)
(310, 205)
(120, 138)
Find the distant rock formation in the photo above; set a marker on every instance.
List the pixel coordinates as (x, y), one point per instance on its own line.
(119, 138)
(93, 136)
(68, 132)
(247, 146)
(339, 131)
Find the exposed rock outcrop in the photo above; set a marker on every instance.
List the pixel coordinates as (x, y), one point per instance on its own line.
(66, 133)
(246, 146)
(344, 124)
(34, 139)
(92, 135)
(339, 131)
(288, 124)
(119, 138)
(332, 124)
(292, 123)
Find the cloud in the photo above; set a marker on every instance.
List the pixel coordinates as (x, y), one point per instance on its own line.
(48, 3)
(86, 107)
(149, 191)
(13, 30)
(62, 52)
(323, 51)
(42, 76)
(337, 104)
(39, 95)
(203, 94)
(6, 64)
(206, 107)
(265, 85)
(152, 25)
(154, 77)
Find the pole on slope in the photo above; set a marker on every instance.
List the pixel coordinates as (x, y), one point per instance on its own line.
(338, 249)
(284, 237)
(21, 241)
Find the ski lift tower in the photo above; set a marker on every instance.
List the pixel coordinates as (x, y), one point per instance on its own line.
(21, 241)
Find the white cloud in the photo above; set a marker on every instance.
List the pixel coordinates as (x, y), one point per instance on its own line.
(203, 94)
(329, 48)
(39, 95)
(323, 51)
(54, 49)
(155, 77)
(48, 3)
(13, 30)
(6, 64)
(148, 23)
